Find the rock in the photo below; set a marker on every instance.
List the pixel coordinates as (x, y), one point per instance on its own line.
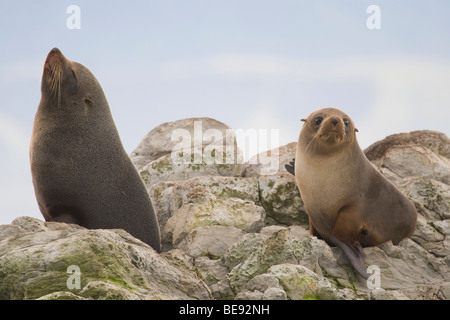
(242, 249)
(113, 265)
(428, 237)
(417, 161)
(262, 287)
(165, 201)
(61, 295)
(194, 133)
(432, 195)
(166, 169)
(281, 199)
(300, 283)
(282, 247)
(168, 197)
(408, 269)
(211, 241)
(276, 194)
(214, 274)
(271, 229)
(270, 162)
(176, 199)
(188, 148)
(381, 294)
(402, 267)
(7, 230)
(437, 142)
(263, 282)
(106, 290)
(209, 210)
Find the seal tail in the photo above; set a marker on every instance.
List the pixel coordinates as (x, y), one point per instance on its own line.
(355, 255)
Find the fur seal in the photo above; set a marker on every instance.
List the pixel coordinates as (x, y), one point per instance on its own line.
(81, 172)
(349, 202)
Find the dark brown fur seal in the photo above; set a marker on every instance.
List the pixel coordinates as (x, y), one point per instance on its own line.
(81, 172)
(350, 204)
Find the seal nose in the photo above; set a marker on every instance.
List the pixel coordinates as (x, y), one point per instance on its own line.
(55, 50)
(334, 121)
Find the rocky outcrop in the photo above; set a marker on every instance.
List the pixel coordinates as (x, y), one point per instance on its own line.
(238, 234)
(38, 260)
(188, 148)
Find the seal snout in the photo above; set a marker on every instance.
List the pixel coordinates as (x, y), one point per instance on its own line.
(332, 130)
(53, 73)
(54, 55)
(55, 50)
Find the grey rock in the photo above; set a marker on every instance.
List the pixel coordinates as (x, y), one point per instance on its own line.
(172, 137)
(166, 168)
(436, 142)
(168, 197)
(209, 211)
(214, 274)
(300, 283)
(281, 199)
(112, 264)
(211, 241)
(270, 162)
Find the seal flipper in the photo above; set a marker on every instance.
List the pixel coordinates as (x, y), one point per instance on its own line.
(290, 167)
(354, 254)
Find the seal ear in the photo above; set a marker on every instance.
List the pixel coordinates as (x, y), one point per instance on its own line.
(304, 120)
(356, 130)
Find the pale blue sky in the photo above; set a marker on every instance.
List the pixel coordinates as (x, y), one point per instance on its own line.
(252, 64)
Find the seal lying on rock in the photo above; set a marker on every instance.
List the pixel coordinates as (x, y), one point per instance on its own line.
(81, 172)
(349, 202)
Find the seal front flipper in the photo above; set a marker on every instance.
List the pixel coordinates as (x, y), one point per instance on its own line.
(354, 254)
(290, 167)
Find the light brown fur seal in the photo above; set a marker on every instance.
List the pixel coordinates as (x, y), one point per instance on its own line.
(81, 172)
(349, 202)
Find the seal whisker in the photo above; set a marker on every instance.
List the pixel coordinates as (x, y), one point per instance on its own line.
(56, 72)
(312, 141)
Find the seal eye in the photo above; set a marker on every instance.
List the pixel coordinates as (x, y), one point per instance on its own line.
(346, 122)
(318, 120)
